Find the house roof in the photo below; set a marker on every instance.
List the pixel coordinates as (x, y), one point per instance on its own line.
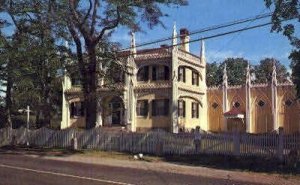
(234, 113)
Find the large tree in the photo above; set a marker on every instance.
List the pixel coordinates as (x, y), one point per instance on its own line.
(236, 70)
(91, 22)
(30, 56)
(212, 74)
(288, 9)
(263, 71)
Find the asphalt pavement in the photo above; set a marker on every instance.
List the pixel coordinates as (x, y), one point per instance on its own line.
(16, 169)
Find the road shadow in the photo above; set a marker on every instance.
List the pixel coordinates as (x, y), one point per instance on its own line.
(41, 152)
(253, 164)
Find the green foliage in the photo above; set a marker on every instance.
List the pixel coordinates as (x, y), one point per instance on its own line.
(212, 74)
(263, 71)
(236, 70)
(295, 65)
(287, 9)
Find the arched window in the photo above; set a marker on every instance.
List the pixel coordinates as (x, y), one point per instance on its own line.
(143, 74)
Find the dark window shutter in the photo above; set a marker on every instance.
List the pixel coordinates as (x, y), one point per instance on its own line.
(82, 108)
(153, 108)
(146, 107)
(72, 109)
(166, 105)
(183, 105)
(193, 78)
(179, 72)
(167, 73)
(154, 73)
(183, 74)
(197, 79)
(146, 73)
(193, 111)
(197, 106)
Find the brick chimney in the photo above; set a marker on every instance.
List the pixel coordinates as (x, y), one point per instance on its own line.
(184, 38)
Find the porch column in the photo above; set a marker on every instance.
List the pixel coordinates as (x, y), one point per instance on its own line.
(174, 71)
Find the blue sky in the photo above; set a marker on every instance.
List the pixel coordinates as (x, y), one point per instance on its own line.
(253, 45)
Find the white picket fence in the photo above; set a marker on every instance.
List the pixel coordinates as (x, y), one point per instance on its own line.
(161, 143)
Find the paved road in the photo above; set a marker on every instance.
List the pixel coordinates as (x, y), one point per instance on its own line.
(25, 170)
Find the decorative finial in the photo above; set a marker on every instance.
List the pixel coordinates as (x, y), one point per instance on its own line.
(202, 52)
(132, 45)
(174, 36)
(274, 73)
(225, 78)
(248, 74)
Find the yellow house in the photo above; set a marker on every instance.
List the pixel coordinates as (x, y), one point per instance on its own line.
(165, 88)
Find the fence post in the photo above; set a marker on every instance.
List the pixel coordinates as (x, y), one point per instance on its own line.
(280, 144)
(197, 140)
(74, 143)
(236, 144)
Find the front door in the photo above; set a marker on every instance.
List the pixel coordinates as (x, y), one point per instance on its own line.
(116, 111)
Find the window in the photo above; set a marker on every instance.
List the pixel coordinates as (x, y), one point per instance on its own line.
(236, 105)
(167, 73)
(261, 103)
(160, 107)
(215, 105)
(160, 73)
(77, 109)
(181, 74)
(195, 110)
(288, 102)
(195, 78)
(154, 73)
(181, 108)
(142, 108)
(143, 74)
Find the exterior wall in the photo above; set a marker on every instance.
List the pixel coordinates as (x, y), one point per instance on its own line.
(148, 122)
(262, 120)
(288, 109)
(215, 112)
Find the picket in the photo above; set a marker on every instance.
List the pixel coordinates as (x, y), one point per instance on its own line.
(156, 142)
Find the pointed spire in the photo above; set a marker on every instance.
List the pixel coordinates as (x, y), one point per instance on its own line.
(225, 78)
(132, 45)
(248, 75)
(274, 74)
(174, 36)
(202, 52)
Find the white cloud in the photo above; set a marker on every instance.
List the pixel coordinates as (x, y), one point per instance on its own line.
(220, 56)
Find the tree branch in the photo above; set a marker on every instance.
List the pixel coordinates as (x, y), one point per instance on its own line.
(78, 24)
(94, 17)
(88, 13)
(115, 24)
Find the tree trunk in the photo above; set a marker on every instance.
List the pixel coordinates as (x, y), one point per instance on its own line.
(91, 90)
